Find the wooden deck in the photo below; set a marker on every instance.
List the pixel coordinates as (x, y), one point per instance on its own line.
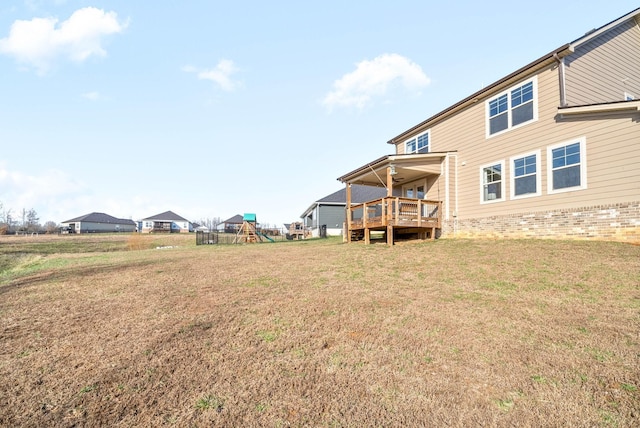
(395, 216)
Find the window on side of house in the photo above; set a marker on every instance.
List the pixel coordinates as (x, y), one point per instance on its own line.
(414, 190)
(525, 177)
(492, 179)
(567, 166)
(418, 144)
(498, 114)
(512, 108)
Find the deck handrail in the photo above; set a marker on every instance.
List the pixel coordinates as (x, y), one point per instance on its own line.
(397, 211)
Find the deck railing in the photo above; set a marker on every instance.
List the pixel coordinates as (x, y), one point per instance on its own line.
(397, 212)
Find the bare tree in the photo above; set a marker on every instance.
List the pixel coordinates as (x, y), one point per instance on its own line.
(33, 221)
(215, 221)
(6, 221)
(23, 220)
(50, 227)
(210, 223)
(3, 224)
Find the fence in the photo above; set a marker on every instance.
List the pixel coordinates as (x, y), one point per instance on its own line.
(214, 238)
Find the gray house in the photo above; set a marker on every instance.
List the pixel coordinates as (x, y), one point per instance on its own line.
(98, 222)
(329, 212)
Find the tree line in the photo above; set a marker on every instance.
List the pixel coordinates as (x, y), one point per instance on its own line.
(24, 221)
(28, 221)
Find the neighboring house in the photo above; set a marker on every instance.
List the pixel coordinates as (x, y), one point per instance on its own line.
(550, 150)
(167, 222)
(98, 222)
(199, 228)
(329, 212)
(296, 230)
(232, 225)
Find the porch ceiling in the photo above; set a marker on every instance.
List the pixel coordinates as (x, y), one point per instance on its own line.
(407, 167)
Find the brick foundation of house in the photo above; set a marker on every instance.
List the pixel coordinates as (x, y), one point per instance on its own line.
(616, 222)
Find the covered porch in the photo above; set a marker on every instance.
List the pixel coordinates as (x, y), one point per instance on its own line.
(409, 209)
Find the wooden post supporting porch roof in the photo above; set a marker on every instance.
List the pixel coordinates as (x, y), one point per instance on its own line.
(390, 173)
(348, 231)
(390, 214)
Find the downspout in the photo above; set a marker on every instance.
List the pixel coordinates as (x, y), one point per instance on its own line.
(446, 188)
(561, 79)
(348, 212)
(455, 196)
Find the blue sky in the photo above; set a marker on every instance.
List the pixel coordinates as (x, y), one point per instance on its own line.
(212, 109)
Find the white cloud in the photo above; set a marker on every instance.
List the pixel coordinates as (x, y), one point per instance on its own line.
(40, 41)
(375, 79)
(221, 74)
(39, 4)
(51, 190)
(58, 196)
(92, 96)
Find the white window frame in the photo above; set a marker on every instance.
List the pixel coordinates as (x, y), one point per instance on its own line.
(413, 186)
(534, 82)
(502, 183)
(415, 138)
(583, 166)
(512, 171)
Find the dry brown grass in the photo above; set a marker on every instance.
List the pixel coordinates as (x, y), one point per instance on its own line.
(318, 333)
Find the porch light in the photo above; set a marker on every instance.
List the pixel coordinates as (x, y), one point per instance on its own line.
(393, 169)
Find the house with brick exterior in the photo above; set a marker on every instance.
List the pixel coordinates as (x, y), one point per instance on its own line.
(550, 150)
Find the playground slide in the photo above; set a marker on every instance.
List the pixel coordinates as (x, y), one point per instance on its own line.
(265, 236)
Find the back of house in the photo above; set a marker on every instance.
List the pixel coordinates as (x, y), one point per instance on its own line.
(550, 150)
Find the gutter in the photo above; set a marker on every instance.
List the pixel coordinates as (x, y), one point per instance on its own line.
(556, 55)
(308, 211)
(366, 166)
(611, 107)
(484, 92)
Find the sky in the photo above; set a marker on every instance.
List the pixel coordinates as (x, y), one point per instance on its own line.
(211, 109)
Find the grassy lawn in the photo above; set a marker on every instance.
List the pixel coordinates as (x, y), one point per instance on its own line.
(131, 330)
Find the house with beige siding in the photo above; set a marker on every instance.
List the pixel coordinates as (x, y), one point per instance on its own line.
(550, 150)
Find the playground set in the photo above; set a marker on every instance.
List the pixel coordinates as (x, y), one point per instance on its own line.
(247, 233)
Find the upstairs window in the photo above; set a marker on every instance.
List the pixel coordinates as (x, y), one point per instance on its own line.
(492, 182)
(498, 114)
(510, 109)
(567, 166)
(525, 177)
(419, 144)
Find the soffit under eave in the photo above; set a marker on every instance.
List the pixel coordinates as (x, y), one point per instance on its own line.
(408, 168)
(309, 210)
